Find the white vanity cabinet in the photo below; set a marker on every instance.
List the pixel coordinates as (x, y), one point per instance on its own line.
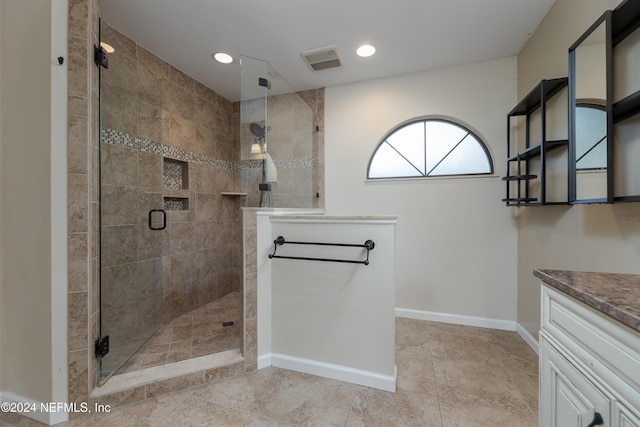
(589, 366)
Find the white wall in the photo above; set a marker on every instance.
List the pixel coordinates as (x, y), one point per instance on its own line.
(27, 197)
(456, 242)
(34, 202)
(603, 238)
(335, 319)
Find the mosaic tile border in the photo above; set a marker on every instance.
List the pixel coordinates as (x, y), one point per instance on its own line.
(115, 137)
(282, 163)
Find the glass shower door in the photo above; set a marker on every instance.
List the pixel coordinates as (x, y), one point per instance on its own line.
(131, 207)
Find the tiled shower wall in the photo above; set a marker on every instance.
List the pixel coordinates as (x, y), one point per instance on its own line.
(167, 143)
(83, 200)
(82, 197)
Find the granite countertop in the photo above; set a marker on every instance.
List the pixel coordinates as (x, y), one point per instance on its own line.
(616, 295)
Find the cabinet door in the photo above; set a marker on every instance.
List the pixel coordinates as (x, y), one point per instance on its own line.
(567, 397)
(623, 417)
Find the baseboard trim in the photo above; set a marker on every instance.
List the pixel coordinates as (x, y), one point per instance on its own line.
(56, 415)
(480, 322)
(528, 338)
(336, 372)
(264, 361)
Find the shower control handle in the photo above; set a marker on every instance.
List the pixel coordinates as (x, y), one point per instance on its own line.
(164, 219)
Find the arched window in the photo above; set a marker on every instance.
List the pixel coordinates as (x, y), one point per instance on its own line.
(430, 147)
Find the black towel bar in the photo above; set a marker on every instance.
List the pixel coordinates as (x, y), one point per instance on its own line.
(368, 245)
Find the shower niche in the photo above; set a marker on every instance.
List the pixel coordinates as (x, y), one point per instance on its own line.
(175, 182)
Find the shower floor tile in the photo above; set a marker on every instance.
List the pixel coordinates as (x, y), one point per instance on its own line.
(197, 333)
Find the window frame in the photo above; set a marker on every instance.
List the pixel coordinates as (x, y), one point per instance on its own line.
(423, 120)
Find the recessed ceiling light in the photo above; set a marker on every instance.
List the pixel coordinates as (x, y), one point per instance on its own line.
(107, 47)
(366, 50)
(223, 58)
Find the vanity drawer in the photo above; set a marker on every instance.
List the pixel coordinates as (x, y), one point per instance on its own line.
(601, 344)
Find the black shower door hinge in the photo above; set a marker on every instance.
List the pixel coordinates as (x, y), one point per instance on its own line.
(102, 346)
(264, 82)
(100, 56)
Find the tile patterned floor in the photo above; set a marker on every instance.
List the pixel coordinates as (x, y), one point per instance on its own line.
(197, 333)
(448, 376)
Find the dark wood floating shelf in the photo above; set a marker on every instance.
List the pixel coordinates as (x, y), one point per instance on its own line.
(627, 198)
(533, 100)
(625, 20)
(626, 107)
(534, 150)
(520, 199)
(518, 177)
(520, 169)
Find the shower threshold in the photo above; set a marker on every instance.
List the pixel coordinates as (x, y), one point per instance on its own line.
(195, 368)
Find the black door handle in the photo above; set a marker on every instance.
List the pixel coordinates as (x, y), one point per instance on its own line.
(164, 219)
(597, 420)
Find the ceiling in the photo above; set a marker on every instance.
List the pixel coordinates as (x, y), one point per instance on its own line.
(410, 35)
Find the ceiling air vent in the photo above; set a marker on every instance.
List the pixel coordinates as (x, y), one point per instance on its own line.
(323, 58)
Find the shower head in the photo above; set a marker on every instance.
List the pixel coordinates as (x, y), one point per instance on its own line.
(257, 130)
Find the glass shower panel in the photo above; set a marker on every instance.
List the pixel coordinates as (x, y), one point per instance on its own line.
(278, 140)
(131, 215)
(254, 134)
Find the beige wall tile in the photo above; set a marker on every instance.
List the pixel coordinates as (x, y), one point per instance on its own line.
(78, 106)
(121, 111)
(206, 207)
(251, 296)
(181, 101)
(78, 252)
(120, 285)
(182, 132)
(149, 122)
(78, 16)
(158, 67)
(119, 205)
(119, 244)
(181, 79)
(121, 74)
(77, 66)
(149, 86)
(206, 141)
(205, 113)
(122, 44)
(94, 190)
(182, 269)
(250, 250)
(78, 375)
(78, 320)
(182, 237)
(205, 234)
(78, 203)
(150, 173)
(119, 165)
